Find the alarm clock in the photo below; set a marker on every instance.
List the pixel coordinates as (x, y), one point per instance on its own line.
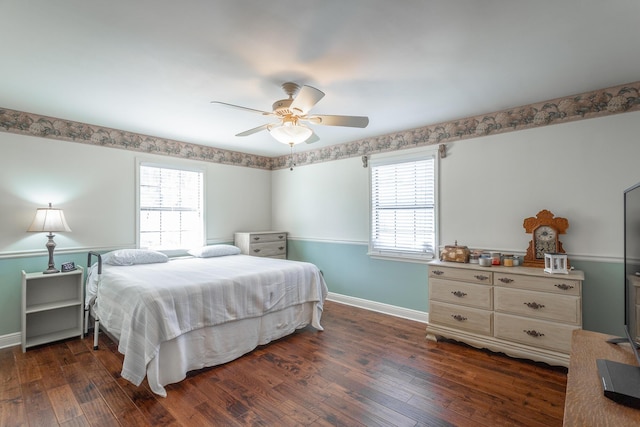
(68, 266)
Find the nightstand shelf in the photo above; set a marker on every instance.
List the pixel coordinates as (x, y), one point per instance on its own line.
(51, 337)
(52, 307)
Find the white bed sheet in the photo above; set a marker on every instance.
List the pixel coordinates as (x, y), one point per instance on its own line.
(144, 306)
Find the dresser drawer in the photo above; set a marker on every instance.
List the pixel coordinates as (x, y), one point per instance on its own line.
(268, 249)
(450, 273)
(267, 237)
(559, 284)
(538, 333)
(461, 293)
(467, 318)
(561, 308)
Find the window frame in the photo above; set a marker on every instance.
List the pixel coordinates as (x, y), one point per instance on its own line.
(396, 157)
(175, 166)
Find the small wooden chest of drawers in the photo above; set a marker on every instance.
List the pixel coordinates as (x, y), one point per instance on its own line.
(271, 244)
(521, 311)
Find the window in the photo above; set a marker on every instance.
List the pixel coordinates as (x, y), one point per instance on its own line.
(403, 205)
(170, 208)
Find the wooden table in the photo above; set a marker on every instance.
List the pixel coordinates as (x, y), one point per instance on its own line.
(585, 404)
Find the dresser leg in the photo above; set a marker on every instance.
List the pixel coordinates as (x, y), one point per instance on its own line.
(432, 337)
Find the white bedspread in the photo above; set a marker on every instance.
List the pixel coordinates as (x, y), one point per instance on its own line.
(146, 305)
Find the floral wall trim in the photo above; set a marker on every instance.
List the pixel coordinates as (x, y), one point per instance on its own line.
(50, 127)
(618, 99)
(613, 100)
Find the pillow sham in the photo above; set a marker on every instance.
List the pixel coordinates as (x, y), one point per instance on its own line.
(133, 257)
(214, 250)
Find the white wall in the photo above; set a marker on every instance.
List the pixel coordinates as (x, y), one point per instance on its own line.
(576, 170)
(325, 201)
(488, 186)
(96, 188)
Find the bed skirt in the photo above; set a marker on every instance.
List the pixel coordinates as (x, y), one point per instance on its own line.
(223, 343)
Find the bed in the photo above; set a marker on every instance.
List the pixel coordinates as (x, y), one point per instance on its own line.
(172, 316)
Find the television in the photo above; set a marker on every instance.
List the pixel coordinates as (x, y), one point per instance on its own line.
(632, 257)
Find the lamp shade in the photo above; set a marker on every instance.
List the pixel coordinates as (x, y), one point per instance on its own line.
(49, 220)
(290, 133)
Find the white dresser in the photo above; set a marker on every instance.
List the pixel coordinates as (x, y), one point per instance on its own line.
(520, 311)
(271, 244)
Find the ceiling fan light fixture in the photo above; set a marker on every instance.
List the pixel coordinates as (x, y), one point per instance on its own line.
(290, 133)
(293, 109)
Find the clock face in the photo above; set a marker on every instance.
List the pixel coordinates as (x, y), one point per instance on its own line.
(545, 238)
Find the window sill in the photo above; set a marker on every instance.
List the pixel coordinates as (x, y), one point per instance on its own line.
(402, 258)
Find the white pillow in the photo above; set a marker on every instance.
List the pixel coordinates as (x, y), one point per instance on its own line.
(133, 256)
(214, 250)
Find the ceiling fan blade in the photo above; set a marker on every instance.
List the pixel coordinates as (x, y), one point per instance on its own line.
(238, 107)
(254, 130)
(313, 138)
(349, 121)
(306, 99)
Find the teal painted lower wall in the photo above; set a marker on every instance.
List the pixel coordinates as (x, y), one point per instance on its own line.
(349, 271)
(602, 296)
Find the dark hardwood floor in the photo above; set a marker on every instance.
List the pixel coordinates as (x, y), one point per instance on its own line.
(364, 369)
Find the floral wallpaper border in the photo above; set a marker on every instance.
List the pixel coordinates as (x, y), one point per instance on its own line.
(613, 100)
(54, 128)
(598, 103)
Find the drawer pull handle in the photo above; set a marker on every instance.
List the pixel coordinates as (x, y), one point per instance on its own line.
(505, 280)
(438, 272)
(256, 250)
(459, 294)
(534, 305)
(280, 237)
(459, 317)
(533, 333)
(280, 247)
(563, 286)
(256, 238)
(481, 277)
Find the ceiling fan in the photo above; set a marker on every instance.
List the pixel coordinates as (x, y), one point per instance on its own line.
(291, 111)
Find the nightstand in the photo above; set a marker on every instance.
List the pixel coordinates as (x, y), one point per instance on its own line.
(52, 307)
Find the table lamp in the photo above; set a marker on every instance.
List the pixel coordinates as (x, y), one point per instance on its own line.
(49, 220)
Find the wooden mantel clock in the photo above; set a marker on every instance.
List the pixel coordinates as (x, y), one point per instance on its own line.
(544, 229)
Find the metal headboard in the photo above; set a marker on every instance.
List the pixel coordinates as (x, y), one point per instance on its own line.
(96, 327)
(97, 255)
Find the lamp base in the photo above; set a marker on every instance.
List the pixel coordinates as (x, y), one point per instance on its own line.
(50, 246)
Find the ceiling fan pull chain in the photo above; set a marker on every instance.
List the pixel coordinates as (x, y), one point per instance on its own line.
(291, 164)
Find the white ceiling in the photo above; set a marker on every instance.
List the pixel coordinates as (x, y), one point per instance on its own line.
(153, 66)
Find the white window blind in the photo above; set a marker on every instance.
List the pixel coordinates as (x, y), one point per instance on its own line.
(171, 212)
(403, 207)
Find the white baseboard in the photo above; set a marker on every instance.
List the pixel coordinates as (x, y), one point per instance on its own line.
(10, 340)
(392, 310)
